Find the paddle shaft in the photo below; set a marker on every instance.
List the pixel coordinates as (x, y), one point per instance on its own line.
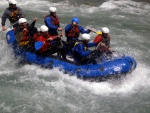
(94, 31)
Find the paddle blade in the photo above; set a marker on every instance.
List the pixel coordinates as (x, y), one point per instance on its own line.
(38, 45)
(99, 32)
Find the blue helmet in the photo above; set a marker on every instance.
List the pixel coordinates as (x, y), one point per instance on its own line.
(74, 19)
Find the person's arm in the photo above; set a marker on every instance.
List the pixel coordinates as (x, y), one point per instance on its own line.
(68, 28)
(51, 38)
(31, 27)
(4, 17)
(82, 30)
(48, 21)
(91, 44)
(102, 45)
(81, 51)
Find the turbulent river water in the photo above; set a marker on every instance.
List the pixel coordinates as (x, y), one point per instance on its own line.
(32, 89)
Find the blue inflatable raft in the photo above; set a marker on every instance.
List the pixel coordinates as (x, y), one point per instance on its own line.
(117, 66)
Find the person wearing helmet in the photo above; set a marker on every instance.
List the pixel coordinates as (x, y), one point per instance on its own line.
(13, 13)
(24, 33)
(80, 51)
(103, 41)
(72, 32)
(44, 37)
(49, 43)
(52, 22)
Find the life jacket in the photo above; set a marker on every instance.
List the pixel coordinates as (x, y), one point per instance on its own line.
(105, 40)
(73, 33)
(55, 20)
(35, 36)
(76, 55)
(22, 37)
(14, 15)
(98, 39)
(85, 48)
(46, 44)
(25, 38)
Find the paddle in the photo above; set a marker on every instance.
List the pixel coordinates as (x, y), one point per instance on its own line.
(38, 45)
(98, 32)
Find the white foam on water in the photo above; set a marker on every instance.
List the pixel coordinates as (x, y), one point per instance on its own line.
(127, 6)
(132, 83)
(3, 2)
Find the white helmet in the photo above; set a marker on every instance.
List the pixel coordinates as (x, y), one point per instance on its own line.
(44, 28)
(22, 20)
(12, 1)
(52, 9)
(85, 36)
(105, 30)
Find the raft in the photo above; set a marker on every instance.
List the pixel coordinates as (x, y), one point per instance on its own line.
(112, 67)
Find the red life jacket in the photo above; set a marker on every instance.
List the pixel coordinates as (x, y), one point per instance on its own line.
(35, 36)
(55, 20)
(46, 44)
(98, 39)
(25, 36)
(106, 40)
(74, 32)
